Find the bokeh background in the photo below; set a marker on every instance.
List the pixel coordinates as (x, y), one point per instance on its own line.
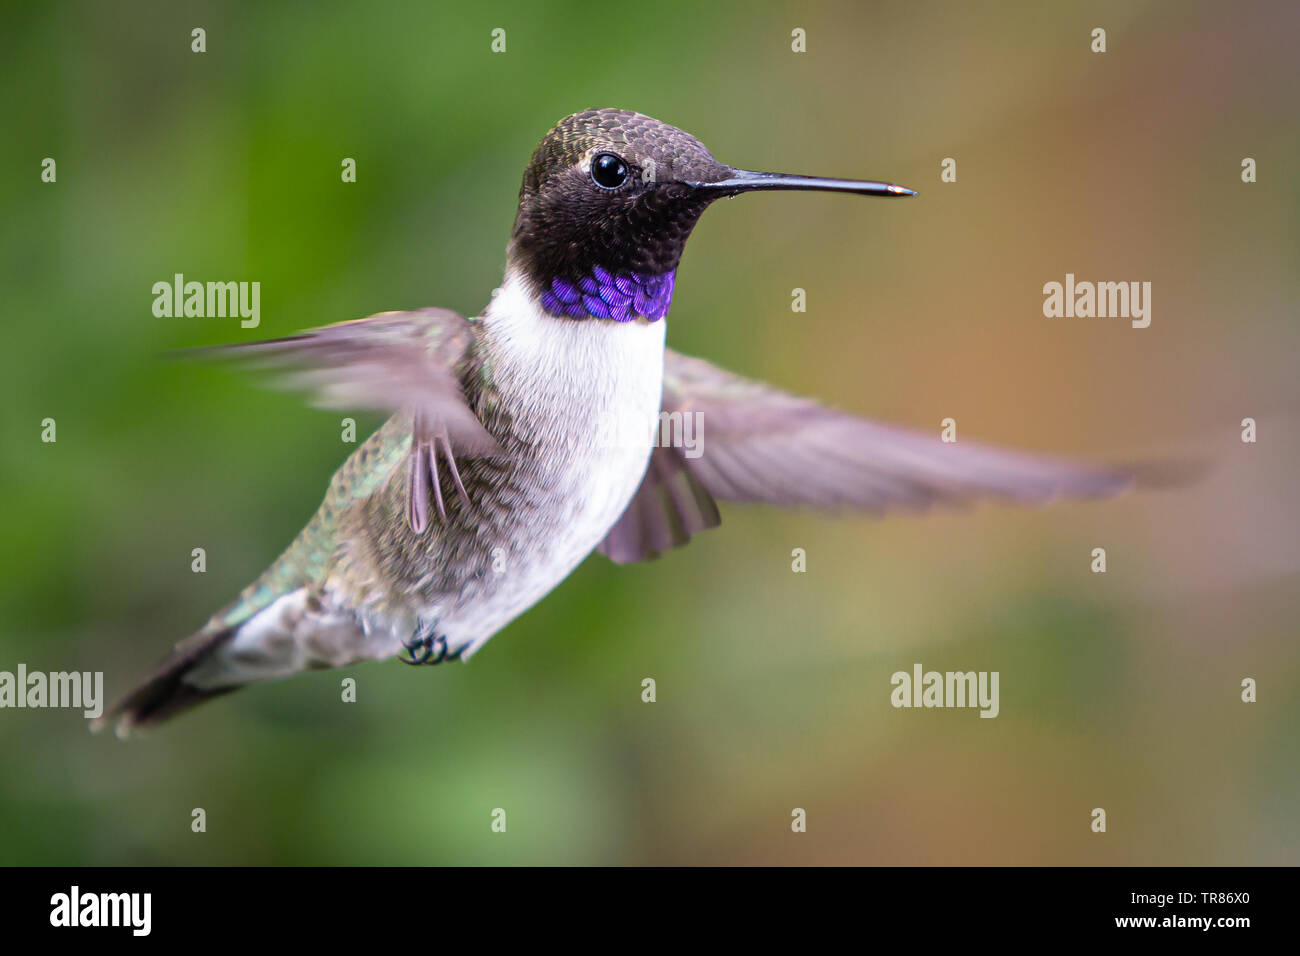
(1118, 690)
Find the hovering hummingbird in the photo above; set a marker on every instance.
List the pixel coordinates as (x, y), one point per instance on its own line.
(497, 473)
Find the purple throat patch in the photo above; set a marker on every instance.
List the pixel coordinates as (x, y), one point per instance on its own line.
(604, 296)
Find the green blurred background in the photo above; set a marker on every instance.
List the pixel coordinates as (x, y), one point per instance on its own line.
(1118, 691)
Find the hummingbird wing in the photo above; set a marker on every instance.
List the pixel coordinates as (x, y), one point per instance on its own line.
(753, 442)
(390, 362)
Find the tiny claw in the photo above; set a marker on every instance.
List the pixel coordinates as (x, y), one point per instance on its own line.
(422, 644)
(440, 643)
(433, 650)
(445, 656)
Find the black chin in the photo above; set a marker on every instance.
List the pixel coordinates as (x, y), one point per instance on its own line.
(644, 234)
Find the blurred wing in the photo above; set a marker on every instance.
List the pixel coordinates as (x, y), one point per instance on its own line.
(757, 443)
(389, 362)
(669, 507)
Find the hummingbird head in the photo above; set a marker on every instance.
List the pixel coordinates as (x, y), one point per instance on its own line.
(607, 205)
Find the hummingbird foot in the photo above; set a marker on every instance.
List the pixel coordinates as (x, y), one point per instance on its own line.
(427, 650)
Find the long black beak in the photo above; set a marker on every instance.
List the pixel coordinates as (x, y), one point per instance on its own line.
(745, 181)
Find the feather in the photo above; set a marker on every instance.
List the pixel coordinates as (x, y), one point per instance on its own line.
(764, 445)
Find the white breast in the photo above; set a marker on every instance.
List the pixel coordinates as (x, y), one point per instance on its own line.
(586, 395)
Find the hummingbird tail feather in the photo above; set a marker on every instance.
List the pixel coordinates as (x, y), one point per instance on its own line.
(165, 693)
(270, 639)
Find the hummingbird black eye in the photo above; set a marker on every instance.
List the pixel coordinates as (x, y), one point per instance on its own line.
(608, 171)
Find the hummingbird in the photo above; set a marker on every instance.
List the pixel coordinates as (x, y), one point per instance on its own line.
(525, 439)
